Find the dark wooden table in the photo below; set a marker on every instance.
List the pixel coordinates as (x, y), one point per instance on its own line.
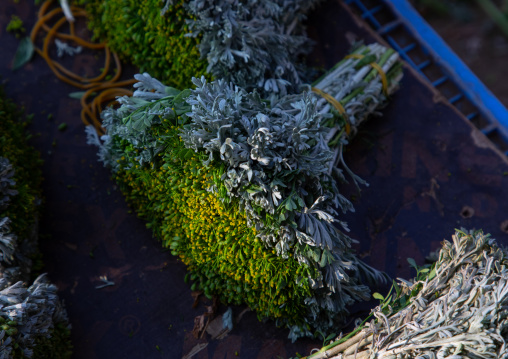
(429, 172)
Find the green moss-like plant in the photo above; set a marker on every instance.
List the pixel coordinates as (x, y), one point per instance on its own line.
(33, 323)
(15, 26)
(222, 252)
(26, 162)
(156, 43)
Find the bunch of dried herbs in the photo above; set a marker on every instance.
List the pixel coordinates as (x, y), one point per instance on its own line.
(33, 323)
(456, 308)
(251, 43)
(245, 190)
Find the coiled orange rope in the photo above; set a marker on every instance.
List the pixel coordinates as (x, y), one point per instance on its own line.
(107, 90)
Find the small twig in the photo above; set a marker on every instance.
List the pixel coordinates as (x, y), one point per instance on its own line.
(495, 14)
(341, 347)
(106, 282)
(67, 10)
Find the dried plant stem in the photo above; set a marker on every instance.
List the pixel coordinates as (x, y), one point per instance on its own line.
(495, 14)
(350, 343)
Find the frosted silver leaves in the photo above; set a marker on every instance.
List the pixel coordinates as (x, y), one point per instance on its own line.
(254, 44)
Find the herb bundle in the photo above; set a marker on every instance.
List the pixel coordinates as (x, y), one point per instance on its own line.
(456, 308)
(33, 322)
(254, 44)
(251, 43)
(245, 191)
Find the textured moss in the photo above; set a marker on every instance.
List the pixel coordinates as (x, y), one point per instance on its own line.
(156, 44)
(57, 346)
(211, 237)
(26, 162)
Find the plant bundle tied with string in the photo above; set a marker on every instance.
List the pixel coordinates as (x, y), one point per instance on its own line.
(455, 309)
(246, 191)
(250, 43)
(33, 322)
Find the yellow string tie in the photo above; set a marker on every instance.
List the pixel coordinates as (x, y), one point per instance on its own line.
(375, 66)
(338, 106)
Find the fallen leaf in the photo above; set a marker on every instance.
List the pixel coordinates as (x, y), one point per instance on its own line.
(24, 53)
(221, 326)
(78, 94)
(215, 327)
(199, 325)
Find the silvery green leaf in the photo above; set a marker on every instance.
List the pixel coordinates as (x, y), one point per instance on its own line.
(181, 97)
(222, 104)
(147, 120)
(148, 83)
(79, 94)
(171, 91)
(412, 262)
(249, 42)
(24, 53)
(227, 319)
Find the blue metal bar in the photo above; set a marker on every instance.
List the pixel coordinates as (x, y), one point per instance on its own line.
(397, 48)
(439, 81)
(489, 129)
(409, 47)
(455, 98)
(423, 65)
(388, 27)
(474, 89)
(375, 9)
(472, 115)
(366, 14)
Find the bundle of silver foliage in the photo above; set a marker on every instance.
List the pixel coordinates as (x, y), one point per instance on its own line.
(458, 311)
(278, 164)
(254, 44)
(35, 309)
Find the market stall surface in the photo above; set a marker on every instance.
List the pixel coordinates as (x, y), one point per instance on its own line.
(429, 171)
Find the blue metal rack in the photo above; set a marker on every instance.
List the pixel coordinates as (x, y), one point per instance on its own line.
(423, 49)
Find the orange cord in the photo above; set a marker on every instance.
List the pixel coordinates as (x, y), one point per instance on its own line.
(106, 90)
